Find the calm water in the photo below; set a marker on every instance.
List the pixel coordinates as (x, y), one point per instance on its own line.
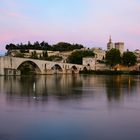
(70, 108)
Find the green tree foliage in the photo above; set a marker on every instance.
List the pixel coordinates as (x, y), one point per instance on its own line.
(76, 57)
(54, 58)
(34, 55)
(11, 47)
(129, 58)
(36, 46)
(62, 46)
(113, 57)
(45, 55)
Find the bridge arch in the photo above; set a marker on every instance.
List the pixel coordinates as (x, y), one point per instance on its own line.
(29, 67)
(74, 69)
(57, 68)
(85, 69)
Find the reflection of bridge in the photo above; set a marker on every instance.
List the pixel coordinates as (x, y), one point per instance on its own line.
(17, 66)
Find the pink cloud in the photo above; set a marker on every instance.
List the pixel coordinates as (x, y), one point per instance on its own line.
(15, 15)
(11, 14)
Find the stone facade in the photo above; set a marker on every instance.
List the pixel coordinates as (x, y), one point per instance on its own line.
(89, 62)
(120, 47)
(99, 53)
(110, 45)
(52, 53)
(117, 45)
(26, 53)
(137, 53)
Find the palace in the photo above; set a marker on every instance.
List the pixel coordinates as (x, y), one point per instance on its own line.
(117, 45)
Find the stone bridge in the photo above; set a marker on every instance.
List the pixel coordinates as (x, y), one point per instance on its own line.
(18, 66)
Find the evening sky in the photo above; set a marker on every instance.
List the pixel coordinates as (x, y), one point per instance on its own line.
(88, 22)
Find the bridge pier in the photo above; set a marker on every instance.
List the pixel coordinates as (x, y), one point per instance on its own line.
(11, 72)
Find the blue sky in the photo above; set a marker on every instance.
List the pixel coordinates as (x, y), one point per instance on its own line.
(88, 22)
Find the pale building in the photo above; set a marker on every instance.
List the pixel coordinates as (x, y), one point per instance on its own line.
(27, 53)
(39, 53)
(137, 53)
(90, 62)
(120, 47)
(65, 55)
(117, 45)
(99, 53)
(52, 53)
(110, 45)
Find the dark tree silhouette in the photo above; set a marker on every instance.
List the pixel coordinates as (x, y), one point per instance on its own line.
(113, 57)
(129, 59)
(76, 57)
(62, 46)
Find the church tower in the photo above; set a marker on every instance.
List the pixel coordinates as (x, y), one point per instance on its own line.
(110, 45)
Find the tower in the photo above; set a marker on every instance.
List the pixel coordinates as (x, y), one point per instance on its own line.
(120, 47)
(110, 45)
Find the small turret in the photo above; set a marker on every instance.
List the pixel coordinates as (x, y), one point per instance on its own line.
(110, 45)
(110, 39)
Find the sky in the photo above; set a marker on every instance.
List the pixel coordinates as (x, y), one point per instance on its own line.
(87, 22)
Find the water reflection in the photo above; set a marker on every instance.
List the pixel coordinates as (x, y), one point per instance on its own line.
(41, 87)
(70, 107)
(64, 87)
(118, 86)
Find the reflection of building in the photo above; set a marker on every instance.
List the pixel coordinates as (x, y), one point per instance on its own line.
(120, 47)
(39, 87)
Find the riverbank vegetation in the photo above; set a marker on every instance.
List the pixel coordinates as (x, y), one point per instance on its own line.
(114, 57)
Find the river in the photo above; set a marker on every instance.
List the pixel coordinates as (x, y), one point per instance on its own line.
(70, 107)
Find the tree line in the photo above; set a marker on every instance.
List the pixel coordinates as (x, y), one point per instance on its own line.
(61, 46)
(114, 57)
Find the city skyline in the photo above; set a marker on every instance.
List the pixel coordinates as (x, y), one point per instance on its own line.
(87, 22)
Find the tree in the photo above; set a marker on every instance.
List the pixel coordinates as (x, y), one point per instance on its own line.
(63, 46)
(11, 47)
(113, 57)
(54, 58)
(76, 57)
(45, 55)
(34, 55)
(129, 59)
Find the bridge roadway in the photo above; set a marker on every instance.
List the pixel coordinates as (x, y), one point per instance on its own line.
(16, 65)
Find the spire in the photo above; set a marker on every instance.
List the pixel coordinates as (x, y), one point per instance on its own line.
(110, 39)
